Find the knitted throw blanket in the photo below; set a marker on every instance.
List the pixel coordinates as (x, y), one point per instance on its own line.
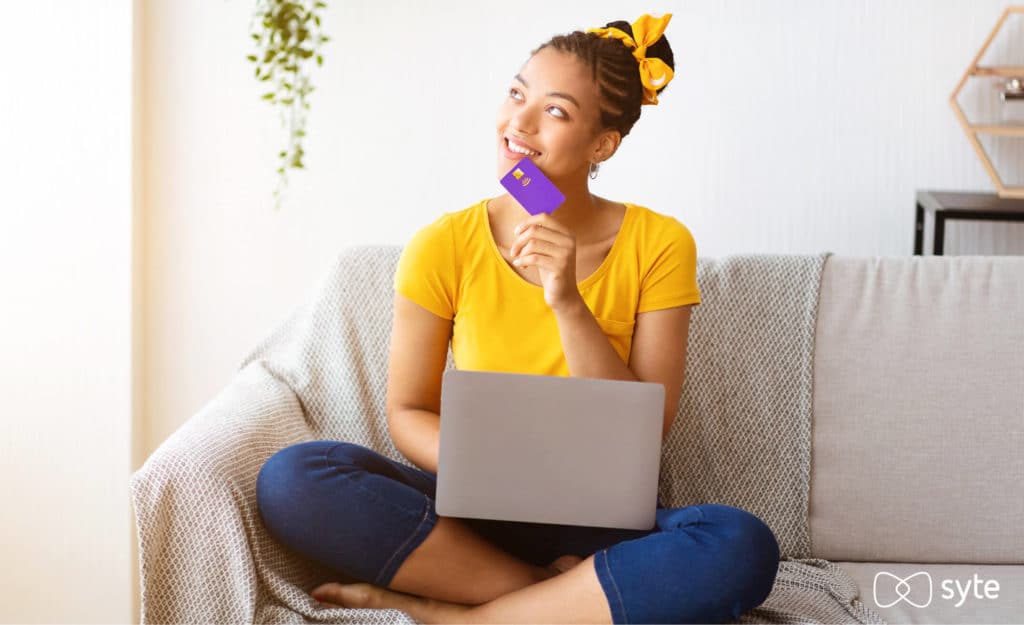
(742, 437)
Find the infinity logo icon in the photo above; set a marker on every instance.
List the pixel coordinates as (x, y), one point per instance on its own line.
(903, 589)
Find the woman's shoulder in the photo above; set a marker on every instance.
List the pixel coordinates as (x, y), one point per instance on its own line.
(461, 219)
(446, 225)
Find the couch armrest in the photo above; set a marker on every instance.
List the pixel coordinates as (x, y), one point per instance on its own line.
(195, 502)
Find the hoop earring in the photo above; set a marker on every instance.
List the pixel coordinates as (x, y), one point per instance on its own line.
(593, 170)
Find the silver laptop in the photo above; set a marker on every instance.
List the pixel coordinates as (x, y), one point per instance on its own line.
(549, 449)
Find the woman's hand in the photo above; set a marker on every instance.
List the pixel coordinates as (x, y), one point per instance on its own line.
(547, 244)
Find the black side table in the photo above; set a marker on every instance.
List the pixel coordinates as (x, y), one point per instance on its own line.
(960, 205)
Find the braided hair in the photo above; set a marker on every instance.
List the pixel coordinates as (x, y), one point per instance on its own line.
(615, 71)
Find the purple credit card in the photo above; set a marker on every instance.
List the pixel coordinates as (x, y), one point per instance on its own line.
(531, 188)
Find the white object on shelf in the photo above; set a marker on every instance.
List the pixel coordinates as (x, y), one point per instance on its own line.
(1012, 102)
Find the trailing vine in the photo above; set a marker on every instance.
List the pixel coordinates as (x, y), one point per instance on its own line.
(285, 42)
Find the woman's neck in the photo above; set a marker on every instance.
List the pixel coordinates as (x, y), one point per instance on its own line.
(581, 213)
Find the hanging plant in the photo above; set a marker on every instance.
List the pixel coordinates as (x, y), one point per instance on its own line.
(287, 34)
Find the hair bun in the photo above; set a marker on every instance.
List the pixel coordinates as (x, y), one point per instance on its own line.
(659, 49)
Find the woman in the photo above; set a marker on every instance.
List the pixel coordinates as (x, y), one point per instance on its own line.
(595, 289)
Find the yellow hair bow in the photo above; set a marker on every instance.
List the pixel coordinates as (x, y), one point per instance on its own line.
(654, 73)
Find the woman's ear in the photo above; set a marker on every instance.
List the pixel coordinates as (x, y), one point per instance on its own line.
(607, 144)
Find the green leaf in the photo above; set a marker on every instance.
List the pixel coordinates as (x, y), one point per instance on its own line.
(281, 40)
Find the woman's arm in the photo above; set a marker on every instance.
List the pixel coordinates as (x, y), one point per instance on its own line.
(416, 363)
(587, 350)
(417, 434)
(658, 353)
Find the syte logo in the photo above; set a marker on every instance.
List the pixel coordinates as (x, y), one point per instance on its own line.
(916, 589)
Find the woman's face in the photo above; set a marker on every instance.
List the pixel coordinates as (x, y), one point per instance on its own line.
(551, 106)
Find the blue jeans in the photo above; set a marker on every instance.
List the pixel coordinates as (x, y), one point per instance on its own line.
(361, 513)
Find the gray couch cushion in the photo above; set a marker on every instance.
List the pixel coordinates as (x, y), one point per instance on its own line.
(919, 410)
(935, 593)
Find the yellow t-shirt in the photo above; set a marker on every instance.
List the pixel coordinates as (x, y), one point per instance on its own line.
(453, 268)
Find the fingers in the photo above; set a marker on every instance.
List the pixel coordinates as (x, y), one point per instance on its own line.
(545, 220)
(533, 247)
(540, 234)
(542, 261)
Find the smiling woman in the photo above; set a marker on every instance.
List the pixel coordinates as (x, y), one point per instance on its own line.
(604, 289)
(570, 105)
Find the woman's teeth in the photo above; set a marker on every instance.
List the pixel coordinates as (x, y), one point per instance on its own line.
(516, 148)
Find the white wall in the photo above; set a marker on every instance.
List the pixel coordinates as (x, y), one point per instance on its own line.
(753, 146)
(791, 127)
(66, 312)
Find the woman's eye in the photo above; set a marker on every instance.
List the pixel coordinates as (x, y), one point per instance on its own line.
(561, 113)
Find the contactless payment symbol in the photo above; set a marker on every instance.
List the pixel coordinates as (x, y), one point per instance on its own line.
(531, 188)
(521, 177)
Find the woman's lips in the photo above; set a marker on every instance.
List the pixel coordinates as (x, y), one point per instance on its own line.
(513, 156)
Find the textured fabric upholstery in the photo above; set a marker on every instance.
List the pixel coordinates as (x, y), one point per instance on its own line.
(918, 447)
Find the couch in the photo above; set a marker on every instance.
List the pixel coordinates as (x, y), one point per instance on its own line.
(869, 409)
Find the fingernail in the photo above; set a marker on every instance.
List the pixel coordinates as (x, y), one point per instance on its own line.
(517, 229)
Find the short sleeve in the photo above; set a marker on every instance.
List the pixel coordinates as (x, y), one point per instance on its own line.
(426, 268)
(671, 277)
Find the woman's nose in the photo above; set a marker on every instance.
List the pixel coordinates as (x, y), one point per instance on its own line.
(524, 121)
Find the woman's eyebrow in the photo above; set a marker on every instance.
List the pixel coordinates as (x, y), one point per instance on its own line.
(557, 94)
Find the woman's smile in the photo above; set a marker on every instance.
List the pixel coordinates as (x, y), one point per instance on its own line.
(513, 155)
